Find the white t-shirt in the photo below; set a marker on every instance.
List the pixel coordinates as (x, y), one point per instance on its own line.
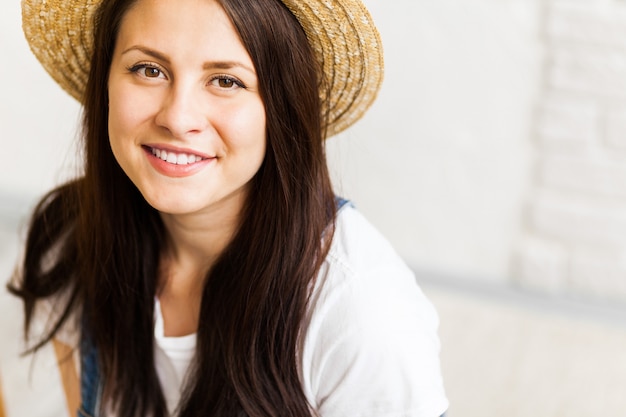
(369, 340)
(172, 357)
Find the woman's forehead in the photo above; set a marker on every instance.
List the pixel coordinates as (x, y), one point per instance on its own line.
(195, 31)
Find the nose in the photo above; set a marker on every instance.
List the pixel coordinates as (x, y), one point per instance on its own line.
(183, 110)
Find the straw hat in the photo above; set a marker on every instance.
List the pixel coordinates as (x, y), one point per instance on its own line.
(341, 32)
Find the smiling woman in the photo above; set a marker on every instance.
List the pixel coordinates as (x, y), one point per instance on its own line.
(202, 264)
(194, 96)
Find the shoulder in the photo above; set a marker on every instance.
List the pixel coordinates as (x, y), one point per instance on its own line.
(365, 273)
(358, 248)
(370, 340)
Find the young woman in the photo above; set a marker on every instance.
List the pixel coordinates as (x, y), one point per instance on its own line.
(201, 265)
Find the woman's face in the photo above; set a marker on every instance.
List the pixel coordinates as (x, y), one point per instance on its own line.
(186, 121)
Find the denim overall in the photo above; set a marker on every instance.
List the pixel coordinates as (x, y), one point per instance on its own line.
(89, 379)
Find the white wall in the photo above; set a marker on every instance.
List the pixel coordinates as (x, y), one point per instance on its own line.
(440, 163)
(38, 120)
(575, 232)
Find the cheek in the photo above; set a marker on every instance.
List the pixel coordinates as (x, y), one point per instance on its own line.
(119, 118)
(248, 127)
(123, 127)
(124, 117)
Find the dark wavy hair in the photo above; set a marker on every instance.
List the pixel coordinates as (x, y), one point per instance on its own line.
(97, 240)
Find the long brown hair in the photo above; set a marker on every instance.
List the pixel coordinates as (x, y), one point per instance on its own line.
(105, 242)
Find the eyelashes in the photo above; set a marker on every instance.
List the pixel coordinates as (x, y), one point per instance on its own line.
(147, 70)
(226, 82)
(150, 70)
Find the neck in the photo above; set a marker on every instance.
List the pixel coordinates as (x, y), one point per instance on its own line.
(195, 242)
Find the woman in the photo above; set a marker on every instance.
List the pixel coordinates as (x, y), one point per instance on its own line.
(202, 263)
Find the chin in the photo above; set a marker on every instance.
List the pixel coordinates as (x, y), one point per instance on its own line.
(176, 208)
(171, 205)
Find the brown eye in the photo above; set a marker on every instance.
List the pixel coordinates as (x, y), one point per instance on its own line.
(226, 83)
(152, 72)
(147, 70)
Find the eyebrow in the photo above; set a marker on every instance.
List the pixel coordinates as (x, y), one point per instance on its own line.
(209, 65)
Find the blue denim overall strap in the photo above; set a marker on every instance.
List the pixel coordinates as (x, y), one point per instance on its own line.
(340, 202)
(89, 378)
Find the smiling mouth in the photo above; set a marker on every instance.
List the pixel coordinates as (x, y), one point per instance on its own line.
(176, 158)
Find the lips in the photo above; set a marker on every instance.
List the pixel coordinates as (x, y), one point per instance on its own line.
(177, 163)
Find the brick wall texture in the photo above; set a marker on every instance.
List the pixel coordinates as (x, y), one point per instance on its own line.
(575, 238)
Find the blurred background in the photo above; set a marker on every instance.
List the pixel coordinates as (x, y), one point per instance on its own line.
(494, 160)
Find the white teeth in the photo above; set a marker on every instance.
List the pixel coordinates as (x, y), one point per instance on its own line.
(174, 158)
(182, 159)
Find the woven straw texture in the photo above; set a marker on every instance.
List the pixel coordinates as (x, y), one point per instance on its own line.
(341, 32)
